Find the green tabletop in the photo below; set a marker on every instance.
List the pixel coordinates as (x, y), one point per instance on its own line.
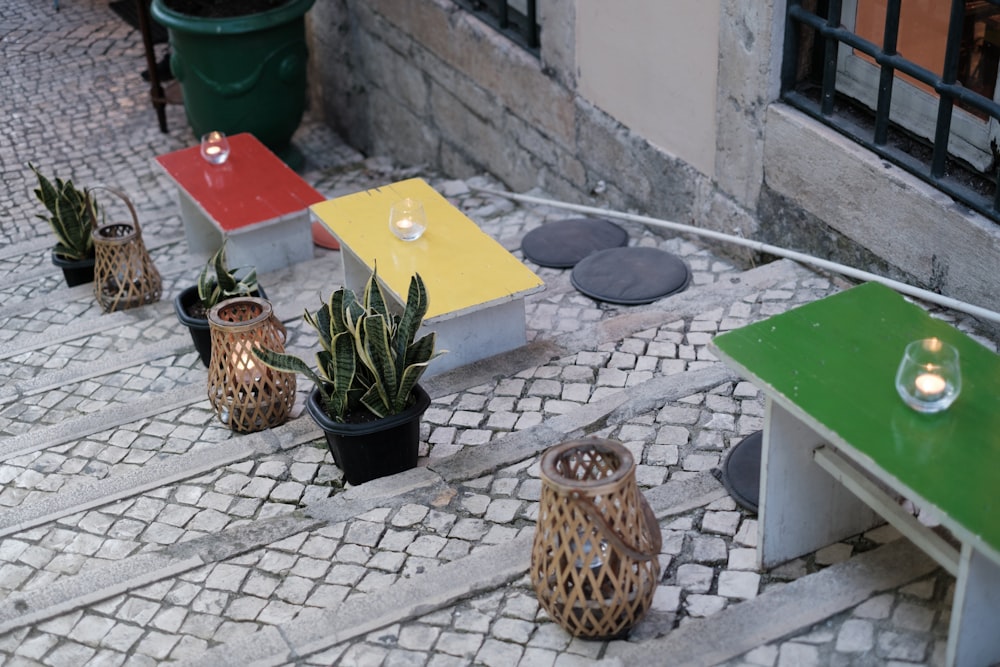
(833, 363)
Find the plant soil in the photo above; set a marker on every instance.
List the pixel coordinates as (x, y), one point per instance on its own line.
(219, 9)
(359, 417)
(197, 310)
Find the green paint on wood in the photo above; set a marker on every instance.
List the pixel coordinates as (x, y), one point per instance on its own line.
(836, 359)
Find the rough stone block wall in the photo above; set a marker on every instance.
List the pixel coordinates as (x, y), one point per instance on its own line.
(428, 83)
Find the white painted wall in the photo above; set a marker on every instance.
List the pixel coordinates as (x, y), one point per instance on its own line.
(652, 65)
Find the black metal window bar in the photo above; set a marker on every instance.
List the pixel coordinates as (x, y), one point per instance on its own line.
(516, 19)
(814, 34)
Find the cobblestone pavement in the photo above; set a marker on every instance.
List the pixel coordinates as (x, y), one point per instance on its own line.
(137, 530)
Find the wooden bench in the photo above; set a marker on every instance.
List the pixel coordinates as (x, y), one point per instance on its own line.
(840, 447)
(476, 288)
(253, 200)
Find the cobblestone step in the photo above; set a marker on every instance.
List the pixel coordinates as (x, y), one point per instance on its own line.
(698, 302)
(510, 450)
(46, 269)
(79, 427)
(117, 414)
(134, 356)
(81, 498)
(75, 373)
(780, 612)
(38, 244)
(181, 509)
(166, 577)
(49, 291)
(272, 544)
(486, 569)
(65, 333)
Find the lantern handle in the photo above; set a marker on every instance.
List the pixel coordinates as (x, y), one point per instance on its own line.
(648, 520)
(123, 197)
(278, 326)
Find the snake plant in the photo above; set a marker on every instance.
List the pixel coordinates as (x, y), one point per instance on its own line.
(70, 211)
(217, 282)
(370, 359)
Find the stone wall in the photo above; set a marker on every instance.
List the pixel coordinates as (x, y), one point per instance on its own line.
(427, 83)
(928, 239)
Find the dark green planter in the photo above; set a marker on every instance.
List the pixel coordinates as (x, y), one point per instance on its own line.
(242, 74)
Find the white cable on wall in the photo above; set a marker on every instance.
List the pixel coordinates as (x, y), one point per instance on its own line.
(842, 269)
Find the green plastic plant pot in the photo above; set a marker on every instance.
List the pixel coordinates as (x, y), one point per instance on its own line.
(242, 74)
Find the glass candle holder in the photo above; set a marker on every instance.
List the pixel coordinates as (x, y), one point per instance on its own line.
(407, 219)
(215, 147)
(929, 378)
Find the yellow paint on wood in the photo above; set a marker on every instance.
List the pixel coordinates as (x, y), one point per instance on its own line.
(462, 267)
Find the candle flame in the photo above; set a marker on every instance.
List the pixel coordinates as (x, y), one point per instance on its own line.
(930, 384)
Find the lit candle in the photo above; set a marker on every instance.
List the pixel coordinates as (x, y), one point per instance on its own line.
(215, 147)
(930, 386)
(407, 219)
(245, 363)
(246, 369)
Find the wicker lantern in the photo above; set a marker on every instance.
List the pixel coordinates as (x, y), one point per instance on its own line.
(247, 395)
(594, 562)
(124, 275)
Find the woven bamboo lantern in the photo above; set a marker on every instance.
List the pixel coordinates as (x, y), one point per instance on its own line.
(594, 562)
(247, 395)
(124, 275)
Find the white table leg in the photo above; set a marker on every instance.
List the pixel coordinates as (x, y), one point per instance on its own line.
(357, 273)
(801, 508)
(203, 237)
(273, 244)
(473, 335)
(974, 634)
(477, 335)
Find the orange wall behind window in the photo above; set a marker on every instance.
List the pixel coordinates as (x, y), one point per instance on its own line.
(923, 32)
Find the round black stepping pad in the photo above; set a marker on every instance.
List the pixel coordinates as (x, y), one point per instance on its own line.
(741, 471)
(630, 276)
(563, 243)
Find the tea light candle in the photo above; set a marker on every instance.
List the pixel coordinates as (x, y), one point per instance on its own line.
(215, 147)
(930, 386)
(407, 219)
(246, 369)
(929, 376)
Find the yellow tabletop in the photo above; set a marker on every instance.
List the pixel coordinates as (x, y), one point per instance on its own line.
(462, 267)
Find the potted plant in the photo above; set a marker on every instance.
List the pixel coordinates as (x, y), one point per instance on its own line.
(70, 212)
(241, 65)
(366, 398)
(216, 282)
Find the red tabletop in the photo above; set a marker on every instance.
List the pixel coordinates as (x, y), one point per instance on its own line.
(252, 186)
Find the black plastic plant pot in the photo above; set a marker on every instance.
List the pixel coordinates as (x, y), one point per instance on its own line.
(198, 326)
(372, 449)
(75, 271)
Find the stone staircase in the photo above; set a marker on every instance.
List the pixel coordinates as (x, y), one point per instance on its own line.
(135, 529)
(138, 530)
